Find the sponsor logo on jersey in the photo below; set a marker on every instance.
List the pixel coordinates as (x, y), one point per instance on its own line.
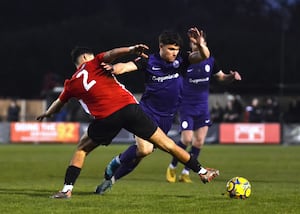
(189, 70)
(207, 121)
(196, 81)
(168, 77)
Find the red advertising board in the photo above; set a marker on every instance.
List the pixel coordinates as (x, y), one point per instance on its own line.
(250, 133)
(44, 132)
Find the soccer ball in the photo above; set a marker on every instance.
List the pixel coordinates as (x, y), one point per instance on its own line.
(238, 187)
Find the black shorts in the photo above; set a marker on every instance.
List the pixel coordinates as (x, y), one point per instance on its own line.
(131, 117)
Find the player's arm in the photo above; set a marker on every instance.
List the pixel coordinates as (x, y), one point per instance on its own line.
(196, 37)
(120, 68)
(115, 53)
(55, 107)
(125, 67)
(227, 78)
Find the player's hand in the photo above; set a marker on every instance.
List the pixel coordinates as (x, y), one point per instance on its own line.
(42, 116)
(107, 67)
(140, 50)
(116, 69)
(236, 75)
(196, 36)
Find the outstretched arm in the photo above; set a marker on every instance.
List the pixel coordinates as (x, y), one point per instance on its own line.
(115, 53)
(228, 78)
(55, 107)
(120, 68)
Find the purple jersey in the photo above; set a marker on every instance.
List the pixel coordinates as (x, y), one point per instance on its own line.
(194, 108)
(163, 84)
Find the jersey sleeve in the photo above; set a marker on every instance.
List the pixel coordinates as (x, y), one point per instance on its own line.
(99, 57)
(65, 95)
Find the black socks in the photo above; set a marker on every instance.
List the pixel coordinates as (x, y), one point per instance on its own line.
(72, 174)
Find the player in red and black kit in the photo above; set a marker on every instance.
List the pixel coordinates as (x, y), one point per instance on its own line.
(113, 108)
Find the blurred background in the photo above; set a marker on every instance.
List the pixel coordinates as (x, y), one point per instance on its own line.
(258, 38)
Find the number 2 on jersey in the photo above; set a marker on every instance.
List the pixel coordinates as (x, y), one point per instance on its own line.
(87, 85)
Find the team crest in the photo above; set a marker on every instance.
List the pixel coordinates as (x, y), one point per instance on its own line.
(176, 64)
(184, 124)
(207, 68)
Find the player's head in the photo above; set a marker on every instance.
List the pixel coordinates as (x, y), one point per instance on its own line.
(80, 55)
(170, 43)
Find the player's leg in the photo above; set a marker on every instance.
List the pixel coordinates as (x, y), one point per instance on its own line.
(166, 144)
(141, 125)
(184, 142)
(186, 122)
(124, 164)
(198, 139)
(137, 122)
(85, 146)
(186, 138)
(100, 132)
(162, 141)
(132, 157)
(134, 120)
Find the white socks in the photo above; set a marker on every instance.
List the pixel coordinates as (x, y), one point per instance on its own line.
(185, 172)
(67, 187)
(171, 166)
(202, 171)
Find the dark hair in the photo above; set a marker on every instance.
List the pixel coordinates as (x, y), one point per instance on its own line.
(169, 37)
(77, 51)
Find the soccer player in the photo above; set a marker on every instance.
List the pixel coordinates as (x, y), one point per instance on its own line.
(163, 77)
(194, 110)
(113, 108)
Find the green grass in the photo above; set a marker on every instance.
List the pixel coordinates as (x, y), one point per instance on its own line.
(31, 173)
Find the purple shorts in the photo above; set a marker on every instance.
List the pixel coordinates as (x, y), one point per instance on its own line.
(194, 122)
(163, 122)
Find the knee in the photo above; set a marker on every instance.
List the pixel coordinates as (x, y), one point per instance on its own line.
(144, 151)
(85, 146)
(186, 139)
(198, 143)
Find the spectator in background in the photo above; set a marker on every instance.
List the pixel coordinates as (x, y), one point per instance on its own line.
(13, 111)
(271, 110)
(254, 111)
(293, 113)
(231, 114)
(217, 113)
(238, 106)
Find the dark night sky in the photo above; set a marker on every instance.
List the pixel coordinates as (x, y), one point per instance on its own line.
(258, 39)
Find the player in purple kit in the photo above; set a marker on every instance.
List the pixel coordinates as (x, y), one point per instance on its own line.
(163, 81)
(194, 110)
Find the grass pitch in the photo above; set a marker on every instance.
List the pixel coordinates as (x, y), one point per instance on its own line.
(31, 173)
